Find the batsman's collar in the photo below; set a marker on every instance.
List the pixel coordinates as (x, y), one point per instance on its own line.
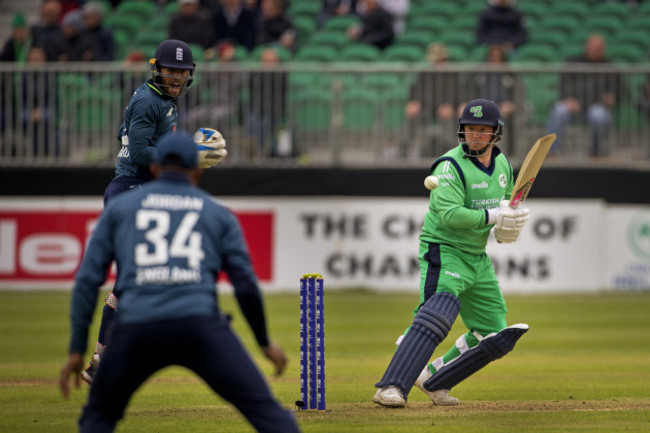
(177, 149)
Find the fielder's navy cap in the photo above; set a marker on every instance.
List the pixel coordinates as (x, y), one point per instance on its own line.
(177, 149)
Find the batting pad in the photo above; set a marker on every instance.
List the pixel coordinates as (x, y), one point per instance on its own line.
(471, 361)
(430, 326)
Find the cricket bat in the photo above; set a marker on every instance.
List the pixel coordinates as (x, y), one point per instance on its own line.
(530, 168)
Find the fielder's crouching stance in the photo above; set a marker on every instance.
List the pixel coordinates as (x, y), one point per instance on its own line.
(456, 274)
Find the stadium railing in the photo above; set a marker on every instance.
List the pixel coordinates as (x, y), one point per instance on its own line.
(303, 114)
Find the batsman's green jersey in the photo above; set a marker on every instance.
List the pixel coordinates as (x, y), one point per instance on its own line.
(454, 236)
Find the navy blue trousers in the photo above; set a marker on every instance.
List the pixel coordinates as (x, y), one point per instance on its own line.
(204, 344)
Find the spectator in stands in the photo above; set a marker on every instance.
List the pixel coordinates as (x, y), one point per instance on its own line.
(501, 23)
(17, 46)
(192, 24)
(643, 101)
(335, 8)
(398, 9)
(78, 49)
(376, 25)
(267, 106)
(47, 34)
(38, 105)
(234, 23)
(100, 37)
(498, 87)
(586, 96)
(275, 27)
(436, 98)
(224, 87)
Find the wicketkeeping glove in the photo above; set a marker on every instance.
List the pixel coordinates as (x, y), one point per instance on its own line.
(509, 222)
(211, 147)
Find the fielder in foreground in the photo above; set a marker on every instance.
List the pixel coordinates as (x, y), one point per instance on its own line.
(151, 114)
(475, 181)
(170, 241)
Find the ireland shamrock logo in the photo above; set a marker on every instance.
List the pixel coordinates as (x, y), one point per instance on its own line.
(477, 111)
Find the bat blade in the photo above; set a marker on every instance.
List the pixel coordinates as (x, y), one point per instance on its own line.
(530, 168)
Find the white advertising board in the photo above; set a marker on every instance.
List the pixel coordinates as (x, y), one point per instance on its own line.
(568, 245)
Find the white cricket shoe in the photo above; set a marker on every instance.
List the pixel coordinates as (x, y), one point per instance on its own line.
(89, 373)
(390, 396)
(439, 397)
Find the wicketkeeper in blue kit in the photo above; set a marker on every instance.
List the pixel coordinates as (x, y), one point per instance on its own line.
(170, 240)
(151, 114)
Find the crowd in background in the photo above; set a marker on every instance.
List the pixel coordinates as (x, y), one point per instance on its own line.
(75, 30)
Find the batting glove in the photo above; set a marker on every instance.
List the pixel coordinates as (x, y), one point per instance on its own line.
(509, 222)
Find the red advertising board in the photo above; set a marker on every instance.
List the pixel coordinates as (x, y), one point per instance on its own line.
(42, 246)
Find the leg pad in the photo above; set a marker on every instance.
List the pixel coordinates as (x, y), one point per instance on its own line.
(489, 349)
(430, 326)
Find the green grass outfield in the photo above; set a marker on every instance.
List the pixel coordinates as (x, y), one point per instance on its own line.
(584, 366)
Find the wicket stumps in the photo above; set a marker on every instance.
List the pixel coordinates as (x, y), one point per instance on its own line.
(312, 342)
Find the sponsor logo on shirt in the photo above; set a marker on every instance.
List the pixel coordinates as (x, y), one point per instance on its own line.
(481, 185)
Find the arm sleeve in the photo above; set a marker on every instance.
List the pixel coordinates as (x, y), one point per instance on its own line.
(90, 276)
(450, 203)
(237, 265)
(142, 128)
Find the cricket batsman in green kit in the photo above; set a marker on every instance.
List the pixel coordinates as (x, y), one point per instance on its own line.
(456, 274)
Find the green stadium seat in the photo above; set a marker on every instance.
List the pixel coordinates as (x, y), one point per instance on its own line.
(299, 81)
(626, 54)
(150, 37)
(394, 103)
(618, 11)
(302, 8)
(572, 9)
(143, 10)
(472, 8)
(536, 53)
(570, 50)
(627, 116)
(436, 9)
(170, 8)
(360, 53)
(465, 39)
(158, 23)
(403, 53)
(305, 27)
(533, 10)
(607, 26)
(421, 39)
(312, 110)
(360, 109)
(316, 53)
(555, 39)
(457, 53)
(565, 25)
(435, 25)
(466, 23)
(129, 24)
(334, 39)
(541, 92)
(636, 37)
(477, 54)
(341, 23)
(638, 22)
(382, 83)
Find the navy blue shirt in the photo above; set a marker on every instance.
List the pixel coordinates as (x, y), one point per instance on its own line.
(169, 240)
(149, 115)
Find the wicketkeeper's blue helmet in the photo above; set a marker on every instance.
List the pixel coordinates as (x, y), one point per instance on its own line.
(173, 54)
(480, 112)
